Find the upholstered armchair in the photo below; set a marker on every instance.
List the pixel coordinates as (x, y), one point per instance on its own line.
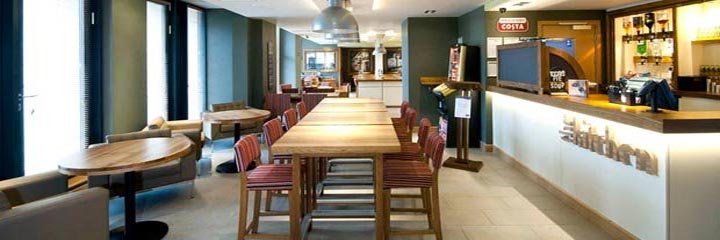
(180, 170)
(192, 129)
(40, 207)
(214, 131)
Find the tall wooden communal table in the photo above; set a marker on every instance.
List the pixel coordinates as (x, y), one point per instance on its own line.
(235, 117)
(128, 157)
(463, 132)
(367, 136)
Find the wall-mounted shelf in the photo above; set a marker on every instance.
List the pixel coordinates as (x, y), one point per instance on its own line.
(707, 41)
(651, 59)
(649, 36)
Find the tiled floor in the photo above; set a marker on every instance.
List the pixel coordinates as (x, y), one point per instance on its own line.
(495, 204)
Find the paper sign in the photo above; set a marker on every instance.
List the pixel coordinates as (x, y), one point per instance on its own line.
(463, 107)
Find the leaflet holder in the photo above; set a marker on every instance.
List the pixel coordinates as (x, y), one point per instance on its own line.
(463, 132)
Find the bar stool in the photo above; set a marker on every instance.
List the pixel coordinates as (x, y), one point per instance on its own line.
(302, 109)
(273, 131)
(403, 108)
(417, 174)
(291, 118)
(404, 129)
(411, 151)
(273, 177)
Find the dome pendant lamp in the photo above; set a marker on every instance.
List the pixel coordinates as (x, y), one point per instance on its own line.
(335, 19)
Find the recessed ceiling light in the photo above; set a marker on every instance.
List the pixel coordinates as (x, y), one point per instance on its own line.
(520, 4)
(430, 11)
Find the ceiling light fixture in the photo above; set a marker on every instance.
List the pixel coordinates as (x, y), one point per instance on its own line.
(430, 11)
(335, 19)
(379, 48)
(376, 4)
(342, 36)
(520, 4)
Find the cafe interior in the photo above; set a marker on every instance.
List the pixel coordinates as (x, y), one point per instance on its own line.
(360, 119)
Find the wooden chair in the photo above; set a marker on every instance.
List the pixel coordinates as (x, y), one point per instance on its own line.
(404, 129)
(272, 177)
(403, 107)
(417, 174)
(277, 104)
(290, 117)
(411, 151)
(302, 109)
(312, 100)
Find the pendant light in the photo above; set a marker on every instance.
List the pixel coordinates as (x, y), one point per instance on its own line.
(342, 36)
(335, 19)
(379, 48)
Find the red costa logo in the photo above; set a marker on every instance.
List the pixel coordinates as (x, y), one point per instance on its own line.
(513, 25)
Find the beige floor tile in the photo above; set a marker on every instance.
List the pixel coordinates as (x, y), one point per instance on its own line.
(500, 233)
(476, 203)
(463, 218)
(517, 217)
(570, 232)
(544, 202)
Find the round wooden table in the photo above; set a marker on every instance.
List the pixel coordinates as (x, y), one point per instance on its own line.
(235, 117)
(128, 157)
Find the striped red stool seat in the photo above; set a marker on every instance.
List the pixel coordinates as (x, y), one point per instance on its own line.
(270, 177)
(417, 174)
(403, 108)
(404, 129)
(410, 151)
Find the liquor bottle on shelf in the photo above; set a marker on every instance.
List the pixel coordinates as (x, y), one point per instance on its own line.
(642, 50)
(650, 22)
(638, 24)
(627, 25)
(662, 20)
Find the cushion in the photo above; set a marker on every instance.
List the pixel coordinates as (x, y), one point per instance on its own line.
(238, 105)
(156, 123)
(4, 203)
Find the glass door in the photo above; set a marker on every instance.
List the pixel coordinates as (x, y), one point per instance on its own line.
(53, 83)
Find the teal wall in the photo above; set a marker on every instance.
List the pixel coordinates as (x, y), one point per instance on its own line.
(288, 58)
(425, 50)
(473, 30)
(227, 58)
(237, 57)
(124, 66)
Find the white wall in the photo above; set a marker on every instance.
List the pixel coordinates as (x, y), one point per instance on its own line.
(635, 200)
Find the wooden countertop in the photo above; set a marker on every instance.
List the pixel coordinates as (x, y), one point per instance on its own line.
(694, 94)
(597, 105)
(372, 77)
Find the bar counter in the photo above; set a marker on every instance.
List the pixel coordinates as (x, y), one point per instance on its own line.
(638, 175)
(597, 105)
(387, 87)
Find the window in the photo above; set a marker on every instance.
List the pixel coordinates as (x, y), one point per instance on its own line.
(54, 86)
(320, 60)
(196, 63)
(157, 72)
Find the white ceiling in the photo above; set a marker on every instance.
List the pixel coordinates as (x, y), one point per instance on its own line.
(296, 15)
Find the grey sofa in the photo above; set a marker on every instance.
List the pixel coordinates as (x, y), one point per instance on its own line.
(39, 207)
(181, 170)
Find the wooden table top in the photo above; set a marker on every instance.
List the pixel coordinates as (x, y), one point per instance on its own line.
(236, 116)
(125, 156)
(331, 140)
(350, 107)
(346, 118)
(351, 100)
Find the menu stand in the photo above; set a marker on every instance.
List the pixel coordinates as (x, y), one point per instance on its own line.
(463, 132)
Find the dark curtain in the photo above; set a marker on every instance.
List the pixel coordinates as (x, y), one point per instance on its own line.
(11, 113)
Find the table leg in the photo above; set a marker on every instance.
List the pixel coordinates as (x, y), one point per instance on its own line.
(133, 229)
(379, 199)
(295, 199)
(231, 166)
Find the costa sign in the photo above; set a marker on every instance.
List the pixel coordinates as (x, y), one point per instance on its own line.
(519, 24)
